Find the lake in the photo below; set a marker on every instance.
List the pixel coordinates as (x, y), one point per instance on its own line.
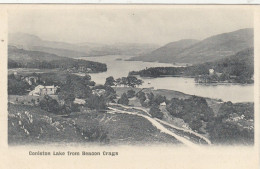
(119, 68)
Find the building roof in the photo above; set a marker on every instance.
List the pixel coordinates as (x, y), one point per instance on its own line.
(48, 87)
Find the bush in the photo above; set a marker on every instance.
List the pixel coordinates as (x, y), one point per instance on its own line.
(93, 134)
(123, 100)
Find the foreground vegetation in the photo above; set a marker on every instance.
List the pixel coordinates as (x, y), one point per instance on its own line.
(38, 119)
(222, 122)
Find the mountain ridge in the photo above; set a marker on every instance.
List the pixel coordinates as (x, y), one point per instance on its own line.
(75, 50)
(209, 49)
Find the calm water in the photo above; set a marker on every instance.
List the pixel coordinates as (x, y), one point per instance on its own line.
(120, 68)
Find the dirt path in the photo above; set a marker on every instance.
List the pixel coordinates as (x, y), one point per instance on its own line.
(159, 126)
(167, 124)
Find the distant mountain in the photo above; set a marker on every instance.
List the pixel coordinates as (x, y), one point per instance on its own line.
(209, 49)
(31, 42)
(25, 56)
(167, 52)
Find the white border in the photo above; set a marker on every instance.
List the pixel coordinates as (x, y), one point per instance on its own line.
(245, 2)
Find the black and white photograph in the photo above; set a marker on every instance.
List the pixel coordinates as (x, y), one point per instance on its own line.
(131, 76)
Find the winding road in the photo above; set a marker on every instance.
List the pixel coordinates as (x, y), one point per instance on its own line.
(183, 134)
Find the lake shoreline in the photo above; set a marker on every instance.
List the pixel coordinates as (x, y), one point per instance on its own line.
(166, 92)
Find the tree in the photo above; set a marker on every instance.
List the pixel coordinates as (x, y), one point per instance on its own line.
(156, 112)
(96, 102)
(123, 81)
(17, 86)
(159, 99)
(226, 110)
(49, 104)
(141, 96)
(123, 100)
(192, 110)
(75, 86)
(110, 81)
(110, 93)
(130, 93)
(132, 81)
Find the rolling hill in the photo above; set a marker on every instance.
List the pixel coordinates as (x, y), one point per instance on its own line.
(210, 49)
(32, 42)
(20, 58)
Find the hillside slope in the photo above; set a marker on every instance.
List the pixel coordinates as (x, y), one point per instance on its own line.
(210, 49)
(20, 58)
(31, 125)
(32, 42)
(167, 52)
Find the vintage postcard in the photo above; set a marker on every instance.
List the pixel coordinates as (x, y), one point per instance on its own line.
(129, 86)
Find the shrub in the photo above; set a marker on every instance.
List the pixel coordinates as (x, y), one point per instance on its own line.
(93, 134)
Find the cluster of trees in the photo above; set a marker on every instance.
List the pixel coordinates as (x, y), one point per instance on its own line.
(124, 99)
(130, 81)
(100, 101)
(224, 131)
(17, 86)
(194, 111)
(159, 71)
(70, 87)
(239, 68)
(153, 102)
(82, 88)
(75, 65)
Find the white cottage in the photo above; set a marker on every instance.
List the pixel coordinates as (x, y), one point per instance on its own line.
(44, 90)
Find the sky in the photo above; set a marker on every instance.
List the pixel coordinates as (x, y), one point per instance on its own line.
(128, 24)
